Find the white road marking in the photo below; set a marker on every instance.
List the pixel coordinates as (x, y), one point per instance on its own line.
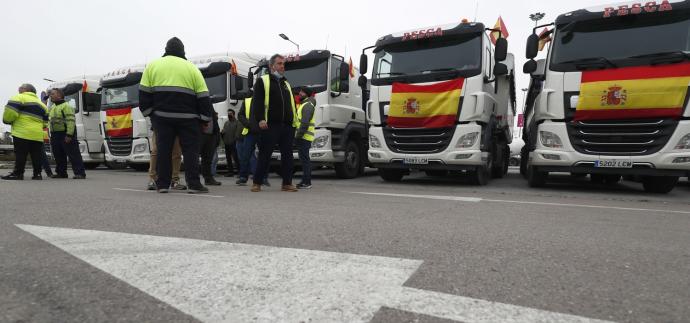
(231, 282)
(169, 192)
(478, 199)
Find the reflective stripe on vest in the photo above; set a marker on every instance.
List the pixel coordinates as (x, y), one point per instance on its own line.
(267, 86)
(247, 112)
(309, 134)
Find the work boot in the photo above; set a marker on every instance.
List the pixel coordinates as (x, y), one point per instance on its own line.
(289, 188)
(241, 182)
(210, 181)
(37, 177)
(256, 188)
(175, 185)
(79, 176)
(197, 190)
(59, 176)
(13, 177)
(151, 186)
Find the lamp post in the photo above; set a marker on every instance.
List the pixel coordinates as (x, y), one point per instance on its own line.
(536, 17)
(49, 80)
(283, 36)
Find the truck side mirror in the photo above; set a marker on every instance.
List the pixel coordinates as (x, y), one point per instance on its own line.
(500, 69)
(529, 67)
(250, 79)
(501, 50)
(362, 81)
(344, 72)
(532, 46)
(363, 63)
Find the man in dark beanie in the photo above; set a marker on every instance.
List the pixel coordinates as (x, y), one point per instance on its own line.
(174, 94)
(305, 133)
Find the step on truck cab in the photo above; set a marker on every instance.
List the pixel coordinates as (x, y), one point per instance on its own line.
(611, 97)
(82, 94)
(128, 132)
(340, 136)
(441, 99)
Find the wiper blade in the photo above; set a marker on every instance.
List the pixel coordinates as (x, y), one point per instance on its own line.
(665, 57)
(445, 69)
(591, 62)
(391, 73)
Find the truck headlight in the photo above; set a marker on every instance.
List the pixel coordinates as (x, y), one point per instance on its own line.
(684, 143)
(374, 142)
(550, 139)
(140, 148)
(467, 140)
(320, 142)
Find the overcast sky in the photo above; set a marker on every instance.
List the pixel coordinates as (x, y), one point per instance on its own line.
(60, 39)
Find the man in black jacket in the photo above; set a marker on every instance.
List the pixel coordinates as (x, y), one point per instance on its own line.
(276, 119)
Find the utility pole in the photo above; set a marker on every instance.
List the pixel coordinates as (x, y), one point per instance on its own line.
(536, 17)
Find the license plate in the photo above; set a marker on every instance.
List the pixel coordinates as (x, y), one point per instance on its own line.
(416, 160)
(613, 163)
(122, 161)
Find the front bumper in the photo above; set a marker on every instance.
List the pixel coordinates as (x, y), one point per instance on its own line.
(132, 158)
(567, 159)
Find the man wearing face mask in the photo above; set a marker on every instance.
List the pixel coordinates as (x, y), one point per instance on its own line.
(273, 108)
(305, 134)
(232, 130)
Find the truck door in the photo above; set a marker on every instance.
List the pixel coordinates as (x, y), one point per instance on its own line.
(90, 116)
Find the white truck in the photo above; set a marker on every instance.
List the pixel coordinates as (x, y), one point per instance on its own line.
(611, 97)
(82, 94)
(120, 95)
(340, 135)
(441, 99)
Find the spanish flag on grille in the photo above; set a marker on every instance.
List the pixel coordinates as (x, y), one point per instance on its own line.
(118, 122)
(634, 92)
(425, 106)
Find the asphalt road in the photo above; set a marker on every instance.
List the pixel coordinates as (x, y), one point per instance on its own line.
(427, 249)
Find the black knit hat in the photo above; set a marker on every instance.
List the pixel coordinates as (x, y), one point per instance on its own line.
(175, 47)
(307, 90)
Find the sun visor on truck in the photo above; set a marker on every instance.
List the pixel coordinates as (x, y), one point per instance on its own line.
(461, 29)
(129, 79)
(624, 11)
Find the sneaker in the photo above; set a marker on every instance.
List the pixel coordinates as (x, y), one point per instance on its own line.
(151, 186)
(37, 177)
(256, 188)
(241, 182)
(82, 176)
(162, 190)
(303, 186)
(13, 177)
(212, 182)
(197, 190)
(175, 185)
(288, 188)
(59, 176)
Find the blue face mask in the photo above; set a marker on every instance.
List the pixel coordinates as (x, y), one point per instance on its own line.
(276, 74)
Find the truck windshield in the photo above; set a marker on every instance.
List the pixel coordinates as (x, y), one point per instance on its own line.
(217, 86)
(312, 73)
(621, 41)
(430, 57)
(124, 94)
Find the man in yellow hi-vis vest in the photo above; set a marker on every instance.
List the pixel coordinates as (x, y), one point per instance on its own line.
(273, 108)
(305, 133)
(246, 144)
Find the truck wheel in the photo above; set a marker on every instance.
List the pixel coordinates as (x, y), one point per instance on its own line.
(524, 156)
(391, 175)
(659, 184)
(91, 165)
(436, 173)
(350, 168)
(500, 162)
(480, 176)
(536, 178)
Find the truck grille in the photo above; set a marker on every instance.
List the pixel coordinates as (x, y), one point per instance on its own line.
(621, 137)
(418, 140)
(120, 146)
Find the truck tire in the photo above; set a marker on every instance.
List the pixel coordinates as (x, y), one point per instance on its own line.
(91, 165)
(524, 156)
(659, 184)
(536, 178)
(391, 175)
(500, 164)
(480, 176)
(436, 173)
(351, 167)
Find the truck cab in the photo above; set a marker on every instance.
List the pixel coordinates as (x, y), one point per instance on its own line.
(610, 99)
(442, 99)
(340, 135)
(82, 94)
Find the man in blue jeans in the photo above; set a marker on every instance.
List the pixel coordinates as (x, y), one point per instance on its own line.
(305, 134)
(246, 145)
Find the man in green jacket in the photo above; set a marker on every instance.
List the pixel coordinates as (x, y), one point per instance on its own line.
(63, 137)
(28, 116)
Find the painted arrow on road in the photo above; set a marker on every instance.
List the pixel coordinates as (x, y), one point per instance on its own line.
(231, 282)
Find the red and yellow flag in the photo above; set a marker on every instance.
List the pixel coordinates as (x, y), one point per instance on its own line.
(425, 106)
(500, 25)
(633, 92)
(544, 37)
(352, 68)
(84, 86)
(118, 122)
